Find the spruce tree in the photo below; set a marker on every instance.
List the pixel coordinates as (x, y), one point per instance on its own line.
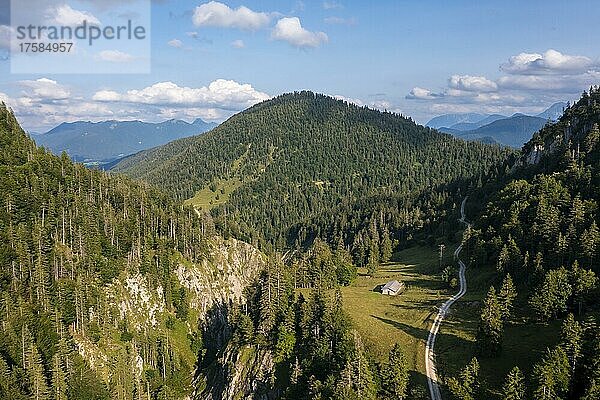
(395, 374)
(514, 385)
(490, 330)
(572, 340)
(466, 385)
(38, 386)
(386, 247)
(551, 375)
(506, 297)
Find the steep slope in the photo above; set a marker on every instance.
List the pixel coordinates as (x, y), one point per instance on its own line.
(538, 222)
(304, 165)
(109, 140)
(554, 112)
(103, 280)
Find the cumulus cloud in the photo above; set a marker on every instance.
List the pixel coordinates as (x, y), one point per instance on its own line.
(64, 15)
(358, 102)
(418, 93)
(44, 89)
(217, 14)
(223, 94)
(238, 44)
(175, 43)
(115, 56)
(43, 103)
(290, 30)
(472, 83)
(528, 83)
(551, 62)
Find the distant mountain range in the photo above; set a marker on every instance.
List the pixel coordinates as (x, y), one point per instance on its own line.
(104, 142)
(511, 131)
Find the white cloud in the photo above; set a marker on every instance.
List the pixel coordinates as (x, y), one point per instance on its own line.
(64, 15)
(220, 15)
(472, 83)
(330, 5)
(115, 56)
(223, 94)
(547, 83)
(175, 43)
(358, 102)
(418, 93)
(551, 62)
(290, 30)
(44, 89)
(238, 44)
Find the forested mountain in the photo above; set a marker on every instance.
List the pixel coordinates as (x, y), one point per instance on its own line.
(537, 226)
(103, 280)
(109, 140)
(304, 165)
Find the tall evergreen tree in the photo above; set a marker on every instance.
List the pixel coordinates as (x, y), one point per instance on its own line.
(490, 330)
(506, 297)
(514, 385)
(466, 385)
(395, 374)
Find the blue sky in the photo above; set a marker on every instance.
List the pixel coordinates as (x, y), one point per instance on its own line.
(421, 58)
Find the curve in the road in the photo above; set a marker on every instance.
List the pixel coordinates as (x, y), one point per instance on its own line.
(432, 380)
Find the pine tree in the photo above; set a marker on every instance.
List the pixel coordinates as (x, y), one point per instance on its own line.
(489, 332)
(506, 297)
(362, 376)
(38, 386)
(466, 385)
(514, 385)
(552, 297)
(373, 260)
(59, 380)
(551, 376)
(583, 282)
(395, 374)
(590, 242)
(572, 340)
(386, 247)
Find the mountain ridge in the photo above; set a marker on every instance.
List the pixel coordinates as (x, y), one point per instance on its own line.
(306, 149)
(106, 141)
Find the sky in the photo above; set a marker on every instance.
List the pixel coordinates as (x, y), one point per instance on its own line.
(421, 58)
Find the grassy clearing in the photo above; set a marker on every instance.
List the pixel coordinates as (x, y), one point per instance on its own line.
(215, 194)
(219, 190)
(385, 320)
(406, 319)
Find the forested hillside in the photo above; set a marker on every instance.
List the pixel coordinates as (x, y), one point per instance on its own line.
(538, 230)
(304, 165)
(103, 280)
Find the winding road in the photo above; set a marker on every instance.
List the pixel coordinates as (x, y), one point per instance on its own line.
(432, 380)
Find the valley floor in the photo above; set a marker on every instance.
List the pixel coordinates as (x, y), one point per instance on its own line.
(385, 320)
